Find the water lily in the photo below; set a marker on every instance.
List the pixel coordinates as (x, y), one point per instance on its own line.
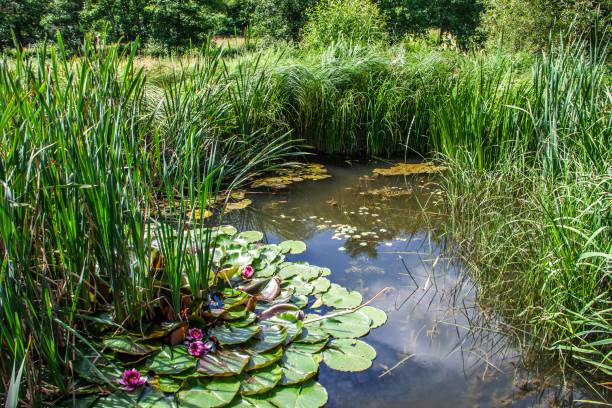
(248, 272)
(131, 379)
(197, 348)
(194, 334)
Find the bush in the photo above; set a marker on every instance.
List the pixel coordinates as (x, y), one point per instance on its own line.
(353, 21)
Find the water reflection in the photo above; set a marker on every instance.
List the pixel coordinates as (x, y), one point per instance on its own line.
(437, 348)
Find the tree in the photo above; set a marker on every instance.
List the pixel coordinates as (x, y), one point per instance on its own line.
(280, 19)
(63, 16)
(177, 23)
(21, 17)
(116, 18)
(461, 18)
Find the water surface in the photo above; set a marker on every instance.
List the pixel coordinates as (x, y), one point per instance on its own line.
(377, 232)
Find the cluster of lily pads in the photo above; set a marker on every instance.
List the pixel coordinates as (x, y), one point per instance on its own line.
(269, 325)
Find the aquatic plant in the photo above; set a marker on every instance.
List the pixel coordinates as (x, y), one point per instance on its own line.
(259, 342)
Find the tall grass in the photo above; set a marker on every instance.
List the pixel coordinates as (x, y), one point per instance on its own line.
(531, 206)
(100, 183)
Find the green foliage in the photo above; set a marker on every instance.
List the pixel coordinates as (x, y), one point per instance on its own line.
(461, 18)
(526, 24)
(280, 20)
(21, 18)
(358, 22)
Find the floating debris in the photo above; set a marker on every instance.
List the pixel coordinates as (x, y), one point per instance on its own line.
(406, 169)
(289, 176)
(387, 192)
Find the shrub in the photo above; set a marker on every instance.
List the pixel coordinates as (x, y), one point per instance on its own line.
(353, 21)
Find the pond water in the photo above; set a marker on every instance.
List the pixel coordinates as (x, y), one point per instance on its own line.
(377, 232)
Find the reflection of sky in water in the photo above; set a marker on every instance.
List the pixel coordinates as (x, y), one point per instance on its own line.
(446, 364)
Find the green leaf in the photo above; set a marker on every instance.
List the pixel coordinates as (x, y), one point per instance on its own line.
(210, 394)
(254, 401)
(231, 335)
(260, 381)
(341, 298)
(346, 326)
(249, 236)
(312, 333)
(289, 322)
(349, 355)
(155, 399)
(310, 394)
(223, 363)
(377, 316)
(307, 348)
(117, 400)
(306, 272)
(320, 285)
(269, 337)
(167, 384)
(172, 360)
(128, 345)
(292, 247)
(301, 287)
(298, 367)
(260, 360)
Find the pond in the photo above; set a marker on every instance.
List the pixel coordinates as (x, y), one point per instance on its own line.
(437, 349)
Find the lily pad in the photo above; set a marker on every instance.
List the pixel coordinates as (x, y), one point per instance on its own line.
(306, 272)
(211, 394)
(301, 287)
(347, 326)
(128, 345)
(156, 399)
(249, 236)
(269, 337)
(165, 383)
(310, 394)
(289, 322)
(260, 381)
(406, 169)
(298, 367)
(307, 348)
(320, 285)
(340, 298)
(312, 333)
(223, 363)
(172, 360)
(231, 335)
(349, 355)
(377, 316)
(260, 360)
(292, 247)
(253, 401)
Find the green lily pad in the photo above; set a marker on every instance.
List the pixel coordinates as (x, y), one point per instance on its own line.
(312, 333)
(269, 337)
(156, 399)
(301, 287)
(324, 271)
(172, 360)
(260, 360)
(347, 326)
(306, 272)
(349, 355)
(307, 348)
(211, 394)
(249, 236)
(260, 381)
(223, 363)
(377, 316)
(253, 401)
(290, 322)
(117, 400)
(320, 285)
(128, 345)
(165, 383)
(341, 298)
(231, 335)
(298, 367)
(292, 247)
(310, 394)
(227, 230)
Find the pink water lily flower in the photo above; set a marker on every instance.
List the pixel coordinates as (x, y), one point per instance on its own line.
(195, 334)
(131, 380)
(197, 348)
(248, 272)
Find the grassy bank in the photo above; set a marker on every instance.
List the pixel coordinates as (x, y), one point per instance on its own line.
(95, 149)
